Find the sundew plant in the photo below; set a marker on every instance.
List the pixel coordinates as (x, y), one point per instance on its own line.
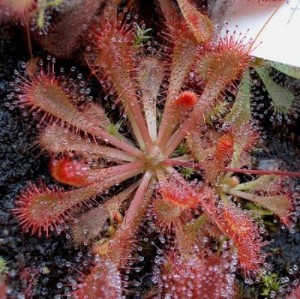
(174, 162)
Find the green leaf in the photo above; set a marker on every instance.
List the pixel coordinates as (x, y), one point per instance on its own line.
(3, 266)
(187, 172)
(219, 109)
(282, 99)
(113, 129)
(289, 70)
(263, 182)
(259, 211)
(142, 36)
(240, 113)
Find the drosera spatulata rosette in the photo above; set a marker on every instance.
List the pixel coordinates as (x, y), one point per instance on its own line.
(159, 114)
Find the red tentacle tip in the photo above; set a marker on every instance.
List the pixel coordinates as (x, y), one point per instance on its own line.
(32, 210)
(186, 100)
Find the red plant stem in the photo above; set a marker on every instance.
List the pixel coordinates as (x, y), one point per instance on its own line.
(135, 115)
(115, 171)
(196, 118)
(261, 172)
(82, 124)
(174, 162)
(124, 87)
(184, 56)
(137, 201)
(113, 140)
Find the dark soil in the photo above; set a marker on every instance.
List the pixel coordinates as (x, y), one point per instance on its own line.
(38, 267)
